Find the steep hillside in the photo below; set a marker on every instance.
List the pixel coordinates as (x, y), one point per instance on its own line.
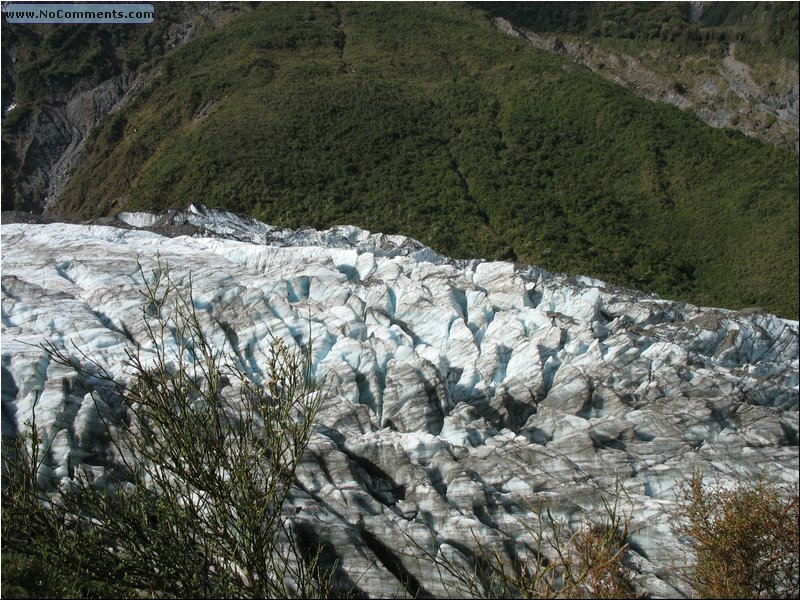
(734, 64)
(60, 82)
(425, 120)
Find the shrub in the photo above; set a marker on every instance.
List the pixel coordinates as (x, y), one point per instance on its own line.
(585, 563)
(189, 504)
(745, 540)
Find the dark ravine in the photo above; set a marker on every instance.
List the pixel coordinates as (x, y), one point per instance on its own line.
(48, 145)
(52, 146)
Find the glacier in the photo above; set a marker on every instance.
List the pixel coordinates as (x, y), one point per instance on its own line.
(458, 392)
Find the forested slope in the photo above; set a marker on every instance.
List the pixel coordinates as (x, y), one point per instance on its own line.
(424, 120)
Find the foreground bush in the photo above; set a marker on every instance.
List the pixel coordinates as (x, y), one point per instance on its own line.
(586, 563)
(189, 502)
(746, 540)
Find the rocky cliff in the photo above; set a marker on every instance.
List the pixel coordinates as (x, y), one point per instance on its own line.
(46, 145)
(51, 145)
(722, 93)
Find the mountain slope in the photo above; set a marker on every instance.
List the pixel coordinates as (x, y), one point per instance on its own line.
(59, 83)
(732, 64)
(423, 119)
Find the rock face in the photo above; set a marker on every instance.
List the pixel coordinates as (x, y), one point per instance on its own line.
(52, 145)
(49, 146)
(722, 93)
(458, 392)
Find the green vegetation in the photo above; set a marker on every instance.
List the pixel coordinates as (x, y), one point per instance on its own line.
(762, 30)
(61, 57)
(52, 60)
(187, 499)
(423, 120)
(725, 61)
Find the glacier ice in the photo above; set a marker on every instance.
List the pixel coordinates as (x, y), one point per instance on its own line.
(457, 391)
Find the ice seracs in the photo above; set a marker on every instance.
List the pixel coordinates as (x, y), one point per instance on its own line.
(458, 391)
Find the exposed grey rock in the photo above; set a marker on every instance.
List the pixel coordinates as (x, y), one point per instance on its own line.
(726, 95)
(51, 146)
